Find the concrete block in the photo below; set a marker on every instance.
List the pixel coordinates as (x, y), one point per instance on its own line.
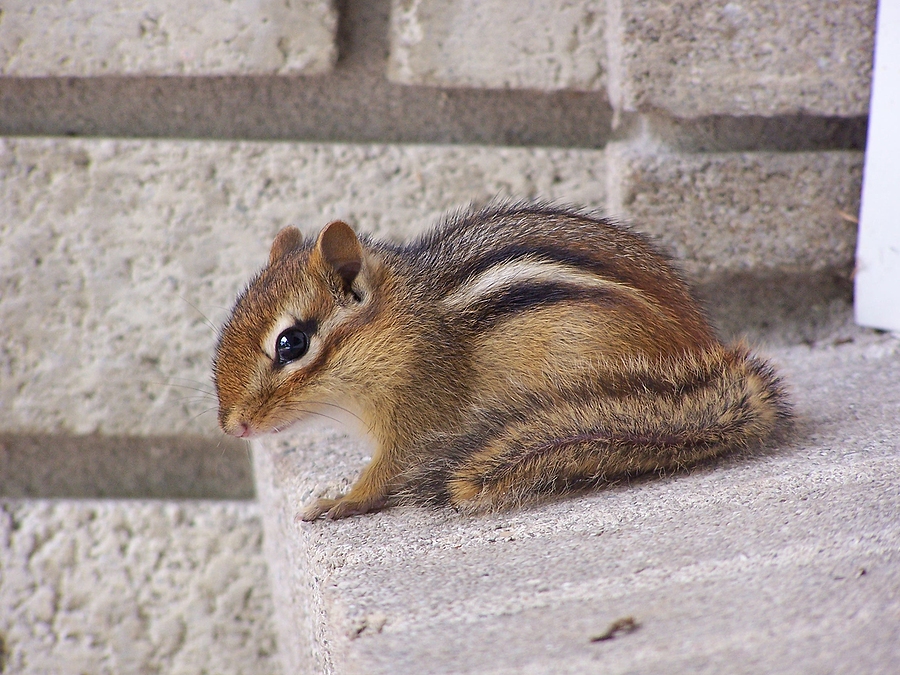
(733, 212)
(133, 587)
(111, 250)
(759, 57)
(779, 561)
(499, 44)
(86, 38)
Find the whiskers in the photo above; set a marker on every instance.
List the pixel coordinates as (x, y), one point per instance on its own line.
(207, 393)
(311, 408)
(205, 318)
(346, 410)
(199, 394)
(201, 413)
(203, 394)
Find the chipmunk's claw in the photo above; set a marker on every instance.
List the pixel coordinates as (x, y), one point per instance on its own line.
(317, 509)
(335, 509)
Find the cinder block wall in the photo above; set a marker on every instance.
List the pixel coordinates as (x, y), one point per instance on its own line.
(150, 151)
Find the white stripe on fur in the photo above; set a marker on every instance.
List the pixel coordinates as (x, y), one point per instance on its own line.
(525, 271)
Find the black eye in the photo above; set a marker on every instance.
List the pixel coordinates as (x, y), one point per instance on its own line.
(290, 345)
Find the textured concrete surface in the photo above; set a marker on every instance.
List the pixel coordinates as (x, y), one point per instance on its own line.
(735, 212)
(782, 560)
(112, 252)
(120, 259)
(758, 57)
(500, 44)
(133, 587)
(121, 37)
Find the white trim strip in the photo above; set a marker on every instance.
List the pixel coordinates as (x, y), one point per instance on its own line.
(877, 296)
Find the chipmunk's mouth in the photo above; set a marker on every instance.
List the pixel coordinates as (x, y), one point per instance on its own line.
(245, 429)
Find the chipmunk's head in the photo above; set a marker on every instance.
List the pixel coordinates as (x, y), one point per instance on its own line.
(280, 354)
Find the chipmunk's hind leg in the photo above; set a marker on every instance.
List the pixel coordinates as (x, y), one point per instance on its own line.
(523, 464)
(499, 478)
(675, 418)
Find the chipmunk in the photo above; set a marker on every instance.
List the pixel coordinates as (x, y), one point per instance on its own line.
(510, 353)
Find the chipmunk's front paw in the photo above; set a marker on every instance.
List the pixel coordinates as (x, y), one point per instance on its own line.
(346, 507)
(317, 508)
(333, 509)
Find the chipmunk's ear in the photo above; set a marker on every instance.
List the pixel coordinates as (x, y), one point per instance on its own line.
(340, 250)
(288, 239)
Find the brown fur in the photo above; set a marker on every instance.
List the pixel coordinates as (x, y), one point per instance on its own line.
(509, 354)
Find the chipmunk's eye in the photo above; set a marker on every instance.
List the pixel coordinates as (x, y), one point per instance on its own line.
(290, 345)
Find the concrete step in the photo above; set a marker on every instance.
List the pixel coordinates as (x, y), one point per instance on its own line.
(134, 587)
(780, 561)
(85, 38)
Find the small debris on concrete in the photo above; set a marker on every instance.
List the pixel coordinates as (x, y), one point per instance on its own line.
(623, 626)
(373, 623)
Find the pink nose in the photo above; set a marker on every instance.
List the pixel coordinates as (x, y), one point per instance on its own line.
(242, 430)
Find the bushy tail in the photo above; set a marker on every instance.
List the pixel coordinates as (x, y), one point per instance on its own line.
(655, 418)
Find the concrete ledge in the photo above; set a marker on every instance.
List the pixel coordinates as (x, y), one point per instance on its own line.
(757, 57)
(777, 561)
(501, 44)
(133, 587)
(120, 37)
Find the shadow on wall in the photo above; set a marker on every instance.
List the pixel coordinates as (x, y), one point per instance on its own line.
(125, 467)
(778, 307)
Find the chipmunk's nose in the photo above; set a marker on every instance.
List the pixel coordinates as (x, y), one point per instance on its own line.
(237, 427)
